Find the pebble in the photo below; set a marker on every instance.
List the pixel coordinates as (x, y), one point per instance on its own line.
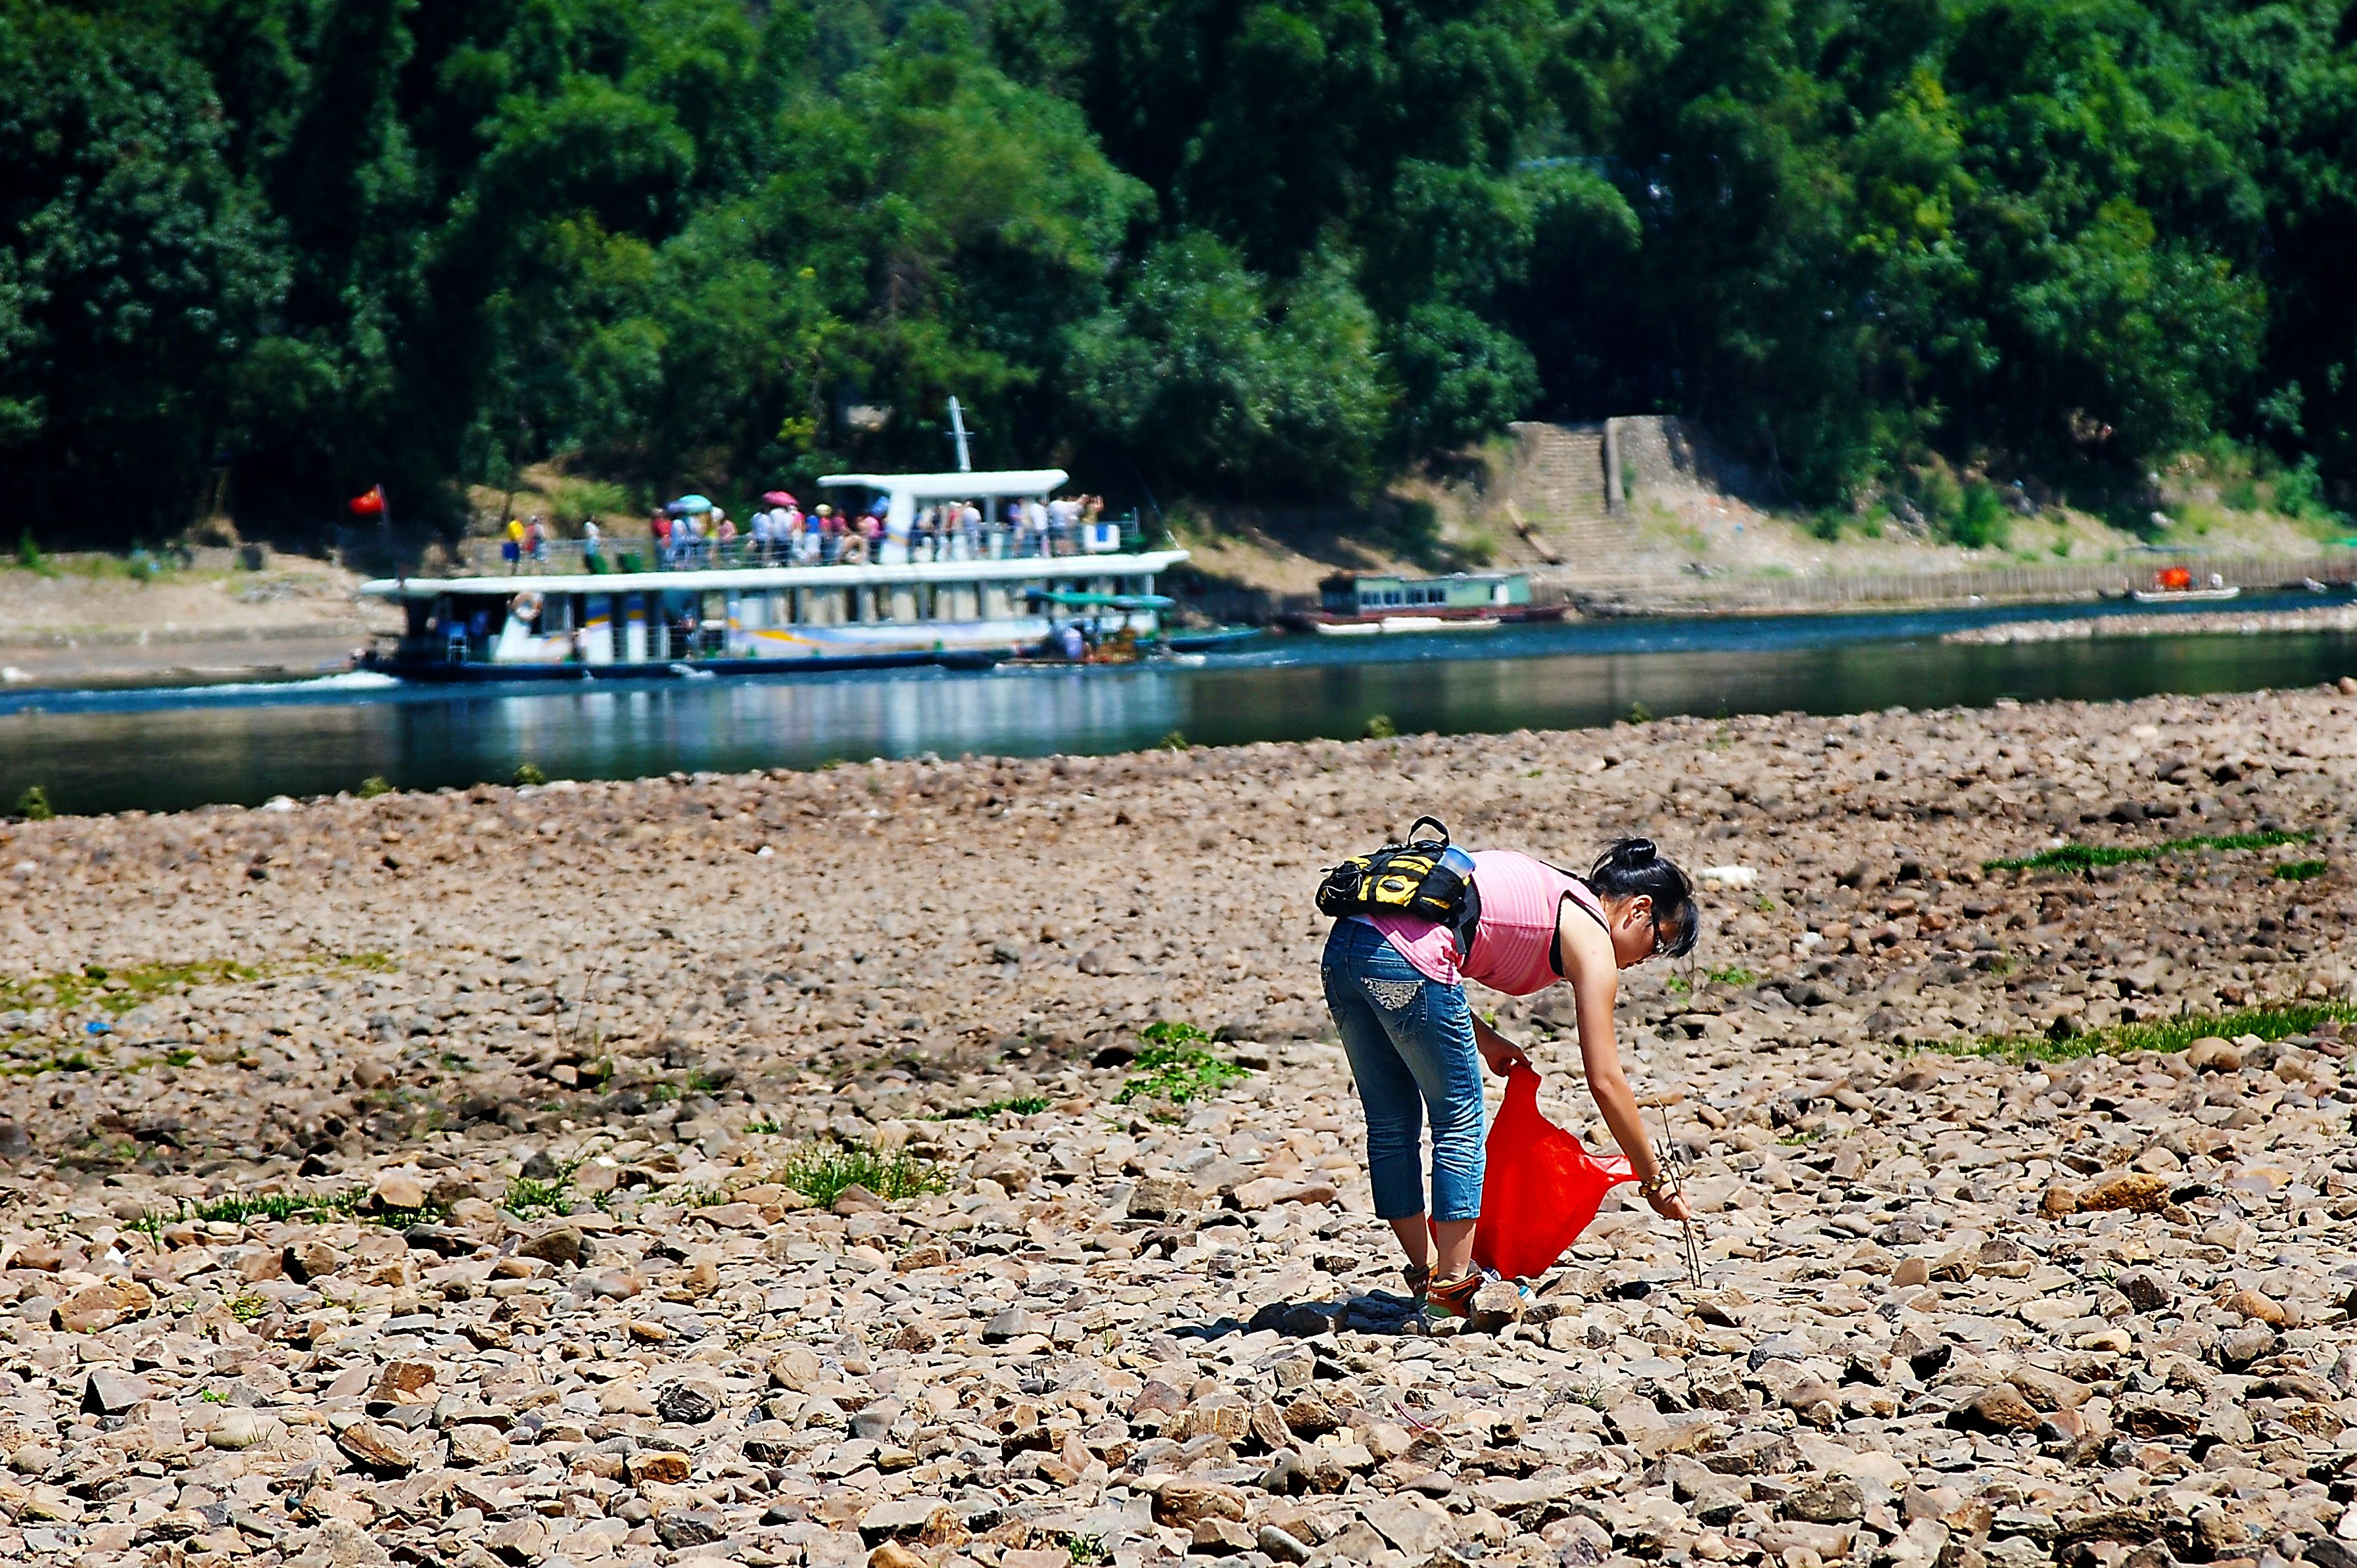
(1957, 1309)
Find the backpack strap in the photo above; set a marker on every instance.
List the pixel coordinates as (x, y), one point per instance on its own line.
(1435, 821)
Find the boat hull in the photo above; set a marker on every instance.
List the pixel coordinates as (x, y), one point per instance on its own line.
(1395, 625)
(2184, 595)
(1466, 618)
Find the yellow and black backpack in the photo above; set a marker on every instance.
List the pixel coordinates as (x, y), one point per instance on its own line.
(1423, 879)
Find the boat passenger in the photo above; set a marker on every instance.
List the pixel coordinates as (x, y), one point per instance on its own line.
(725, 537)
(660, 527)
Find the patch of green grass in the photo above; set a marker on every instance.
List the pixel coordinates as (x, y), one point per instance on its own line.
(527, 773)
(1678, 986)
(115, 991)
(1380, 727)
(528, 1196)
(1175, 1067)
(821, 1171)
(1021, 1105)
(213, 1396)
(1175, 740)
(246, 1308)
(1639, 713)
(2084, 857)
(769, 1124)
(2268, 1021)
(1733, 975)
(1085, 1548)
(34, 806)
(2299, 870)
(240, 1209)
(374, 785)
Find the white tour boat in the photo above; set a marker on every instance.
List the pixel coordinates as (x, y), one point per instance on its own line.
(961, 596)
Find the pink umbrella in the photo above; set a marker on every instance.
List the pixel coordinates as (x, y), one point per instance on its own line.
(779, 498)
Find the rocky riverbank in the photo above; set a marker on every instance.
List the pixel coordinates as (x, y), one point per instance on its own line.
(2230, 623)
(546, 1064)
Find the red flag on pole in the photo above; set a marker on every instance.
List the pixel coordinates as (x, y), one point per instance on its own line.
(370, 504)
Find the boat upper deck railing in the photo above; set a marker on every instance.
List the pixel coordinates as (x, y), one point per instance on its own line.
(643, 552)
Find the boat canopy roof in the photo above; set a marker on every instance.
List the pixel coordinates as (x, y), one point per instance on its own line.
(943, 487)
(1103, 601)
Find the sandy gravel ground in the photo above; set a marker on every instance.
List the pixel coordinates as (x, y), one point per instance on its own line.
(73, 624)
(548, 1063)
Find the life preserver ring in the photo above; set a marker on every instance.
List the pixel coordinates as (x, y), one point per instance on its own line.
(526, 606)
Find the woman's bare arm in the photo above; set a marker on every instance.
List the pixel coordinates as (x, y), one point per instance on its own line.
(1595, 978)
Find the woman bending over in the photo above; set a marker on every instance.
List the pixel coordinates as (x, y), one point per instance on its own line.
(1396, 987)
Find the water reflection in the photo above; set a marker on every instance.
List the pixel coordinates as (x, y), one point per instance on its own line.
(112, 754)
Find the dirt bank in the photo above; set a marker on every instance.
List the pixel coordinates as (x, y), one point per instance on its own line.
(575, 1038)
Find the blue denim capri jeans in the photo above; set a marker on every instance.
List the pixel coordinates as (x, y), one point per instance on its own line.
(1410, 1041)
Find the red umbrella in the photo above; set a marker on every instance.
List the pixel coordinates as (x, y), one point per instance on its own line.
(779, 498)
(370, 504)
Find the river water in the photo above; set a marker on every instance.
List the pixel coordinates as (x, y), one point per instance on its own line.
(171, 749)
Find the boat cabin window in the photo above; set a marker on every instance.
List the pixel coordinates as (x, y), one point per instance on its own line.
(556, 615)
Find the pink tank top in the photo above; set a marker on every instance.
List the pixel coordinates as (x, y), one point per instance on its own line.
(1513, 946)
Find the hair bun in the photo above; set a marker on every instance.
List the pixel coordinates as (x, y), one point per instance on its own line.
(1634, 855)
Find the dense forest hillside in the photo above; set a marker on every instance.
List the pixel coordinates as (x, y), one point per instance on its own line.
(1271, 250)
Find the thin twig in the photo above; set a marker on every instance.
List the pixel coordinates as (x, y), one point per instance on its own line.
(1673, 1162)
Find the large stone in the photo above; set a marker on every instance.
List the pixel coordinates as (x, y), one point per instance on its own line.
(2211, 1054)
(2001, 1408)
(2140, 1192)
(658, 1465)
(111, 1392)
(405, 1383)
(684, 1528)
(398, 1189)
(560, 1245)
(1496, 1305)
(2047, 1390)
(2253, 1307)
(1828, 1541)
(2147, 1290)
(95, 1308)
(476, 1444)
(373, 1446)
(685, 1404)
(897, 1518)
(1416, 1525)
(1834, 1500)
(1181, 1501)
(1162, 1197)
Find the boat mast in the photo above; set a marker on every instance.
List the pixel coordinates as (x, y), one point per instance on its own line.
(957, 434)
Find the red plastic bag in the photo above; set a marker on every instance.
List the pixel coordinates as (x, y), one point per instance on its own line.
(1540, 1188)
